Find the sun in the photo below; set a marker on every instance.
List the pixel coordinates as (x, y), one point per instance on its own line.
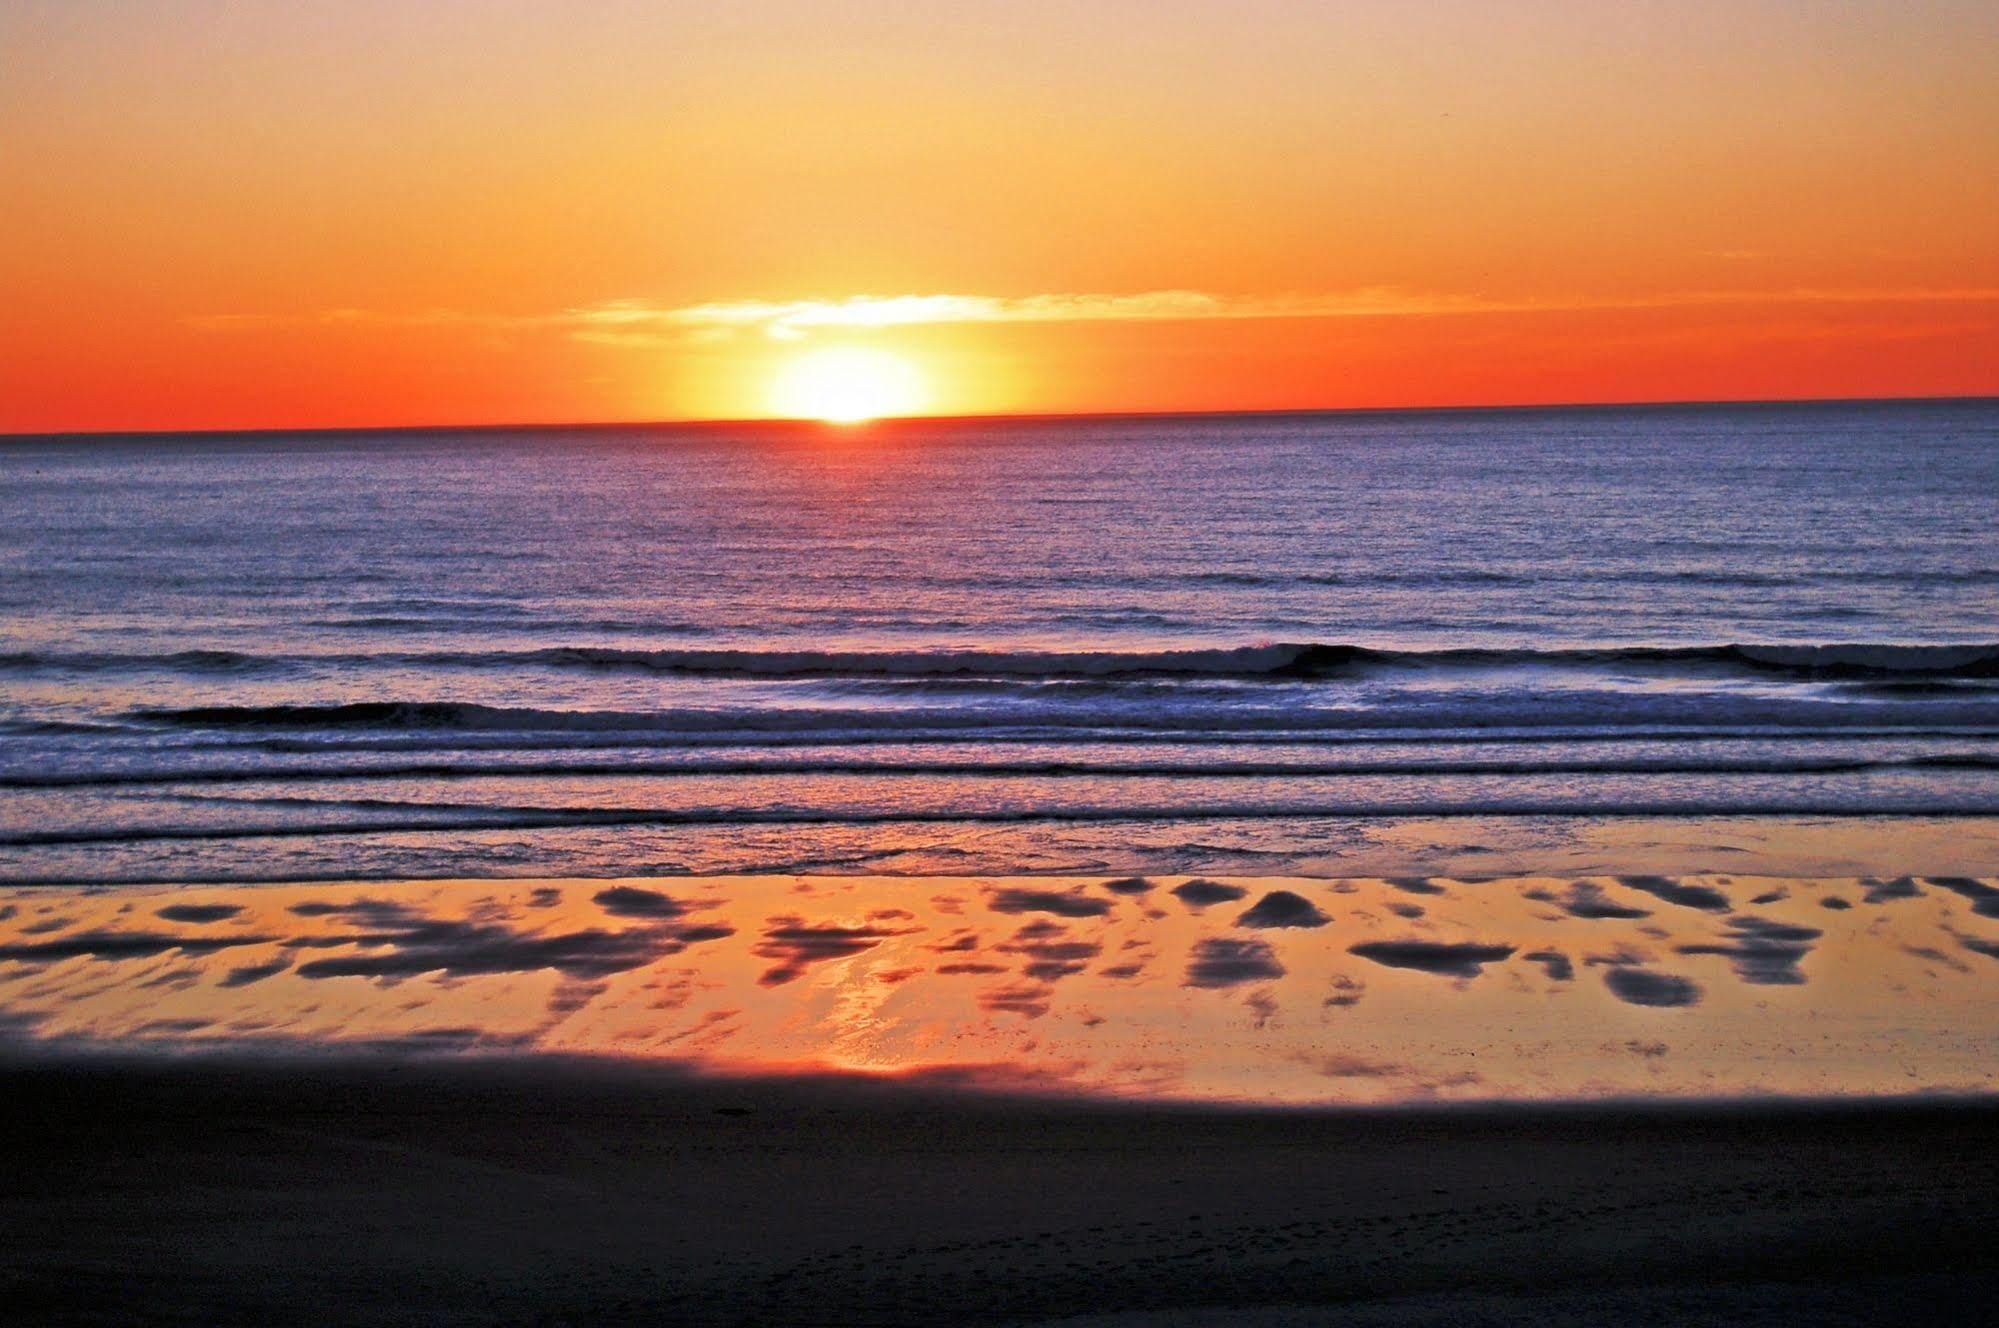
(847, 385)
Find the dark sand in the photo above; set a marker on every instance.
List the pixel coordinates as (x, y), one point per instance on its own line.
(303, 1192)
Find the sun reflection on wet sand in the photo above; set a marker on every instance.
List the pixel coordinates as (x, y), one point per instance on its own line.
(1273, 990)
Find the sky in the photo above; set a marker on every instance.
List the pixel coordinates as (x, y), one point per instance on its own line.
(261, 215)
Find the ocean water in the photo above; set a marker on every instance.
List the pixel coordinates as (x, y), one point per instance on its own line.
(1135, 645)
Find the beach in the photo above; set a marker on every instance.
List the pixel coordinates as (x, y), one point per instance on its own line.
(1125, 1102)
(261, 1190)
(1224, 991)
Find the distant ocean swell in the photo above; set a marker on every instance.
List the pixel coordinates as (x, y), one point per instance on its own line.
(1276, 662)
(1171, 714)
(1007, 647)
(977, 768)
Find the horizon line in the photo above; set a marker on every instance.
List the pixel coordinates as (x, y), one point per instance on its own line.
(1020, 417)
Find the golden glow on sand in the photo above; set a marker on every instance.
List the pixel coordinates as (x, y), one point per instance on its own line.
(978, 979)
(848, 385)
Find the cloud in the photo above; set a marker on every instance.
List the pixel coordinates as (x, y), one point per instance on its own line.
(1340, 1065)
(477, 949)
(1461, 960)
(1199, 893)
(249, 973)
(1641, 986)
(1678, 892)
(1553, 962)
(640, 323)
(1347, 1065)
(182, 1026)
(1051, 954)
(1984, 898)
(1062, 903)
(1346, 993)
(254, 973)
(1978, 945)
(113, 945)
(402, 942)
(1939, 957)
(441, 1041)
(795, 945)
(1586, 899)
(1886, 891)
(362, 909)
(198, 912)
(1281, 908)
(629, 901)
(570, 996)
(1027, 1002)
(1764, 952)
(1227, 963)
(1623, 954)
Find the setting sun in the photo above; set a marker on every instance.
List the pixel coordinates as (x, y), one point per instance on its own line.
(848, 385)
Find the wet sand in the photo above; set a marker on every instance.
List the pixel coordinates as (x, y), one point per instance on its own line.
(364, 1190)
(1243, 991)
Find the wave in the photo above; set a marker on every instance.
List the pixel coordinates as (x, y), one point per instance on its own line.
(1551, 713)
(1053, 768)
(400, 715)
(1256, 661)
(102, 661)
(1867, 660)
(475, 819)
(44, 728)
(1273, 662)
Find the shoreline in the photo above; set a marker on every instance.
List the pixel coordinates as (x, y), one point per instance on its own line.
(1468, 846)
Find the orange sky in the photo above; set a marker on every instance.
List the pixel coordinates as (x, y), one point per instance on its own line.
(262, 214)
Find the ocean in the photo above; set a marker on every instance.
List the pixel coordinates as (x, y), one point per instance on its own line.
(1127, 645)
